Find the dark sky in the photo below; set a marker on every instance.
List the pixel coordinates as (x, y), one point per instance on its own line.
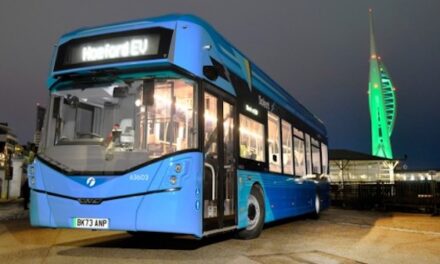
(317, 50)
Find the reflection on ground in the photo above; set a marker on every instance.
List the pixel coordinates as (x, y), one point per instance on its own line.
(340, 236)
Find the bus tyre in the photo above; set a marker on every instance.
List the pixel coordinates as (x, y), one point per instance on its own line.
(256, 214)
(317, 208)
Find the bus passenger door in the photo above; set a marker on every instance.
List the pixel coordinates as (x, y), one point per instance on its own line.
(219, 165)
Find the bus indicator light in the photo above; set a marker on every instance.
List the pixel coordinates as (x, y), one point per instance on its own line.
(197, 205)
(178, 168)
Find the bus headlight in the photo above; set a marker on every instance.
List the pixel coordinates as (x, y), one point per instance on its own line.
(31, 170)
(173, 180)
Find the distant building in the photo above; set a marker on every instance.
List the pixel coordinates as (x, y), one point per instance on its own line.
(417, 175)
(8, 140)
(352, 166)
(382, 102)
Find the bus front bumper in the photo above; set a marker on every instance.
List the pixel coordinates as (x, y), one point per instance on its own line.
(170, 211)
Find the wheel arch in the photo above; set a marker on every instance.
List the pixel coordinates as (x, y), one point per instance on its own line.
(256, 199)
(247, 181)
(257, 185)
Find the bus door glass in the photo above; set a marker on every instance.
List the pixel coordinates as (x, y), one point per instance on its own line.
(219, 177)
(229, 159)
(211, 154)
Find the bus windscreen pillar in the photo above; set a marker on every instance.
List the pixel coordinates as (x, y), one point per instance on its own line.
(382, 102)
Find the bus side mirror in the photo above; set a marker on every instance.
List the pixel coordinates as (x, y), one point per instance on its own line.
(148, 93)
(120, 92)
(56, 107)
(72, 100)
(210, 72)
(274, 157)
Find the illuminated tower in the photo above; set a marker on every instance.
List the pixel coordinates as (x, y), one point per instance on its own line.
(382, 100)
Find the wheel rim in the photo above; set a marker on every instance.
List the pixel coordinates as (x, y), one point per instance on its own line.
(317, 204)
(254, 212)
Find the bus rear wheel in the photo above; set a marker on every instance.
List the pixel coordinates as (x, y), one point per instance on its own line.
(255, 215)
(317, 207)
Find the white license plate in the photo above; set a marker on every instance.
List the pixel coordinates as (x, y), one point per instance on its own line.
(91, 223)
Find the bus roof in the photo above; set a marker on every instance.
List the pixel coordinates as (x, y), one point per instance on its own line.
(233, 59)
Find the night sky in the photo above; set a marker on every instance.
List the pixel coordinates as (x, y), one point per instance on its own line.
(317, 50)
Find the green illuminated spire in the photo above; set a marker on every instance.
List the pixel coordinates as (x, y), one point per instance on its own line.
(382, 100)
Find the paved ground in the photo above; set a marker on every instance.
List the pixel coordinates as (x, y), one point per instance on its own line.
(340, 236)
(12, 209)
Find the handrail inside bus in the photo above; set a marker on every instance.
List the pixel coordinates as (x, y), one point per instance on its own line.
(213, 179)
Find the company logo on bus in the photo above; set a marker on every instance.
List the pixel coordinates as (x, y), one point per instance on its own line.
(91, 182)
(263, 102)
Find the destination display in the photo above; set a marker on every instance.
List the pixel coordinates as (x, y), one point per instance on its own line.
(116, 47)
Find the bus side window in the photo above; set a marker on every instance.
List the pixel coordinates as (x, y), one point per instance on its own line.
(251, 139)
(287, 147)
(274, 142)
(299, 152)
(324, 155)
(316, 157)
(308, 154)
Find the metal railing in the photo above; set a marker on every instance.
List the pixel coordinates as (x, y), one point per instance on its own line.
(400, 195)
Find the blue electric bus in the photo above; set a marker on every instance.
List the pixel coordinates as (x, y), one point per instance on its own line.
(161, 125)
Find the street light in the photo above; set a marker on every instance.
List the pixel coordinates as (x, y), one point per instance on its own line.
(2, 160)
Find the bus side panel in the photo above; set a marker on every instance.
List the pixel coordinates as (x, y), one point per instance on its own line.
(176, 212)
(40, 214)
(283, 196)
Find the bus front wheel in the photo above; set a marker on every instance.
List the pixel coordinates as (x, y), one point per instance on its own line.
(255, 215)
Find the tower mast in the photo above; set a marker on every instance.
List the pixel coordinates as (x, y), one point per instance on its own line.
(382, 102)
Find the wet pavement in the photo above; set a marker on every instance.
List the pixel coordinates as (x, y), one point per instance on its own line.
(340, 236)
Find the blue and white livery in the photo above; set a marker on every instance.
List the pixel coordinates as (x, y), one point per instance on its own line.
(161, 125)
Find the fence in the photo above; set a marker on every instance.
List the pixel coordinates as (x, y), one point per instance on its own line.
(401, 195)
